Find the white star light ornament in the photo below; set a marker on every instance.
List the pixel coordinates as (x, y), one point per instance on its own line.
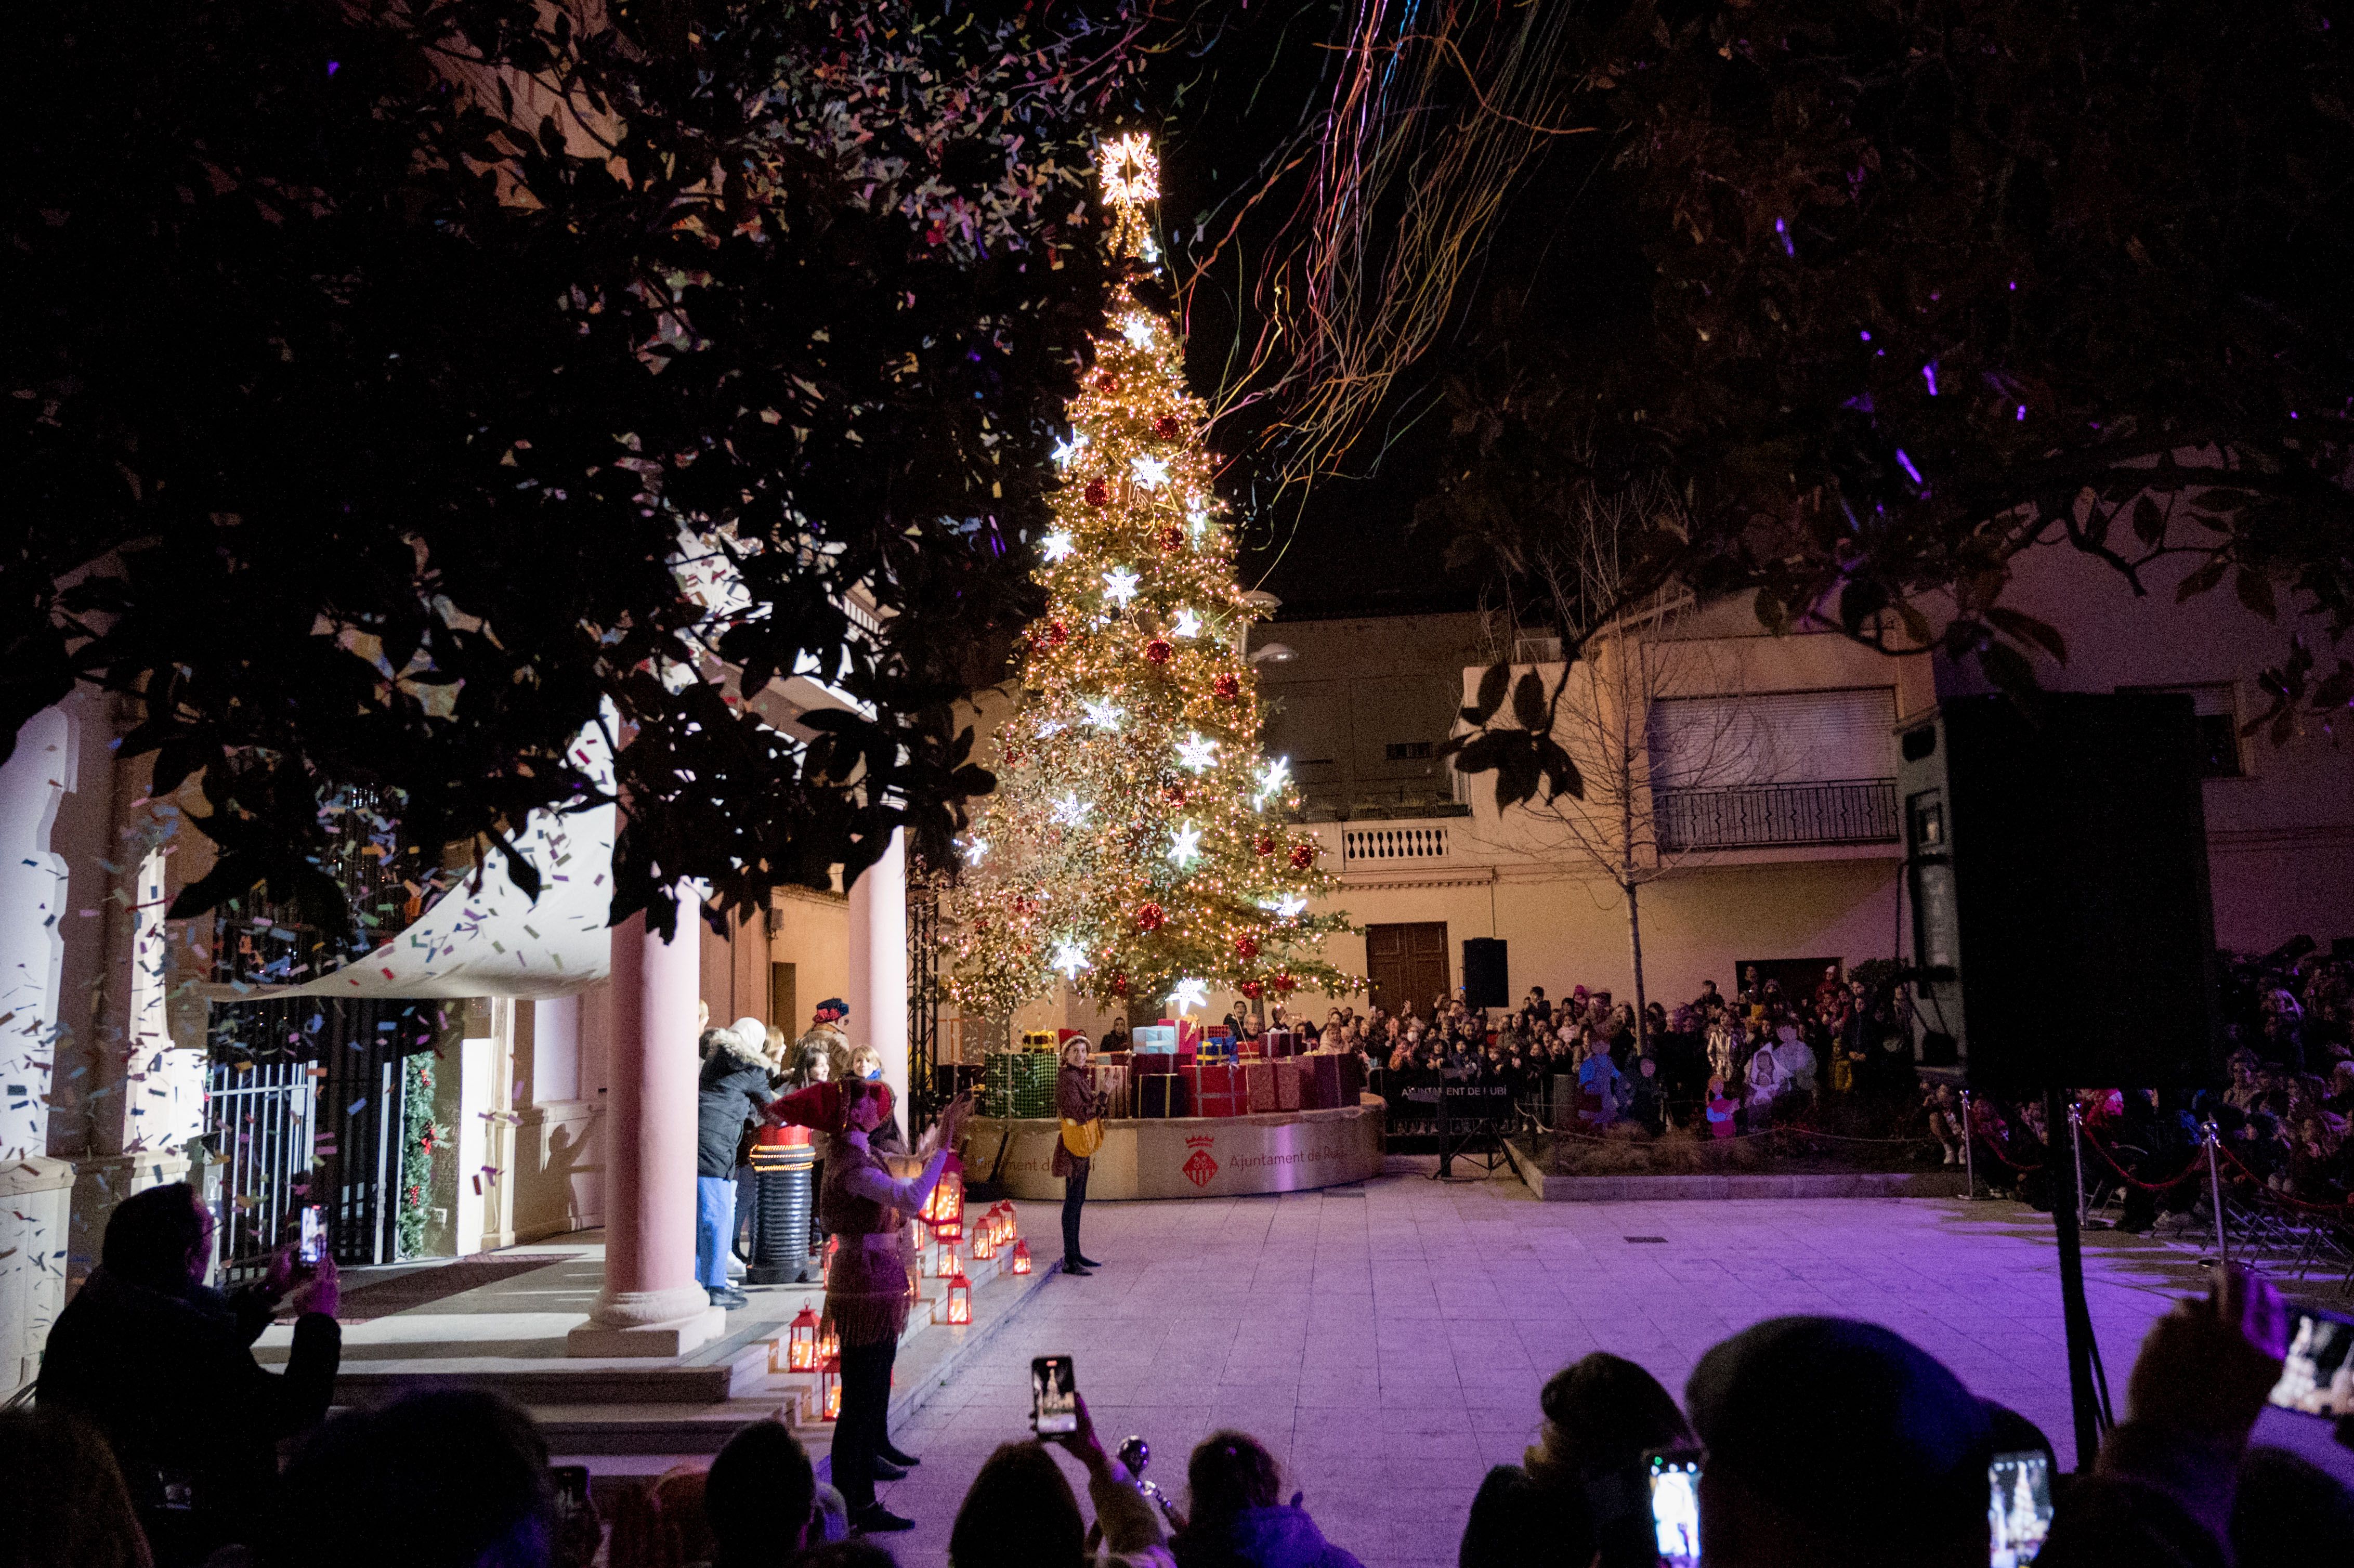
(1138, 330)
(1290, 907)
(1151, 473)
(1196, 753)
(1198, 519)
(1102, 712)
(1070, 812)
(1120, 586)
(1051, 728)
(1067, 452)
(1187, 624)
(1186, 846)
(1189, 995)
(1273, 778)
(1058, 546)
(1069, 960)
(975, 851)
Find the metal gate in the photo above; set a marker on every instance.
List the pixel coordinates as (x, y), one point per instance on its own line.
(350, 1055)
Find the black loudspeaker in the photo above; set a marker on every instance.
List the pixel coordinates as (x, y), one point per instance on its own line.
(1486, 982)
(2057, 865)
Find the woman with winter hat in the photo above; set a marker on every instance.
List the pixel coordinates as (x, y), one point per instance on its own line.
(1081, 1107)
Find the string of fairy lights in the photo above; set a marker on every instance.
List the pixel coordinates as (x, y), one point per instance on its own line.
(1139, 846)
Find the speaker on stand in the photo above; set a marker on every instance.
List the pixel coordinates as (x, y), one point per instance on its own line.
(1486, 978)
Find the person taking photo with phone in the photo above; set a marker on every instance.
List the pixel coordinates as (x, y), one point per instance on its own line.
(866, 1210)
(163, 1364)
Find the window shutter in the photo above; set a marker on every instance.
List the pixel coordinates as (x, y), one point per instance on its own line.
(1785, 737)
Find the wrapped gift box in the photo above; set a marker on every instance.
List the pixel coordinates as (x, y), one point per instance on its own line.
(1162, 1095)
(1019, 1083)
(1215, 1088)
(1281, 1043)
(1156, 1039)
(1288, 1073)
(1112, 1082)
(1258, 1086)
(1217, 1042)
(1331, 1082)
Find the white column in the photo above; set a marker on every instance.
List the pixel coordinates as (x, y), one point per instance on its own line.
(878, 963)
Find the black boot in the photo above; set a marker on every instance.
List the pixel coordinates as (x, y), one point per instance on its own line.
(886, 1449)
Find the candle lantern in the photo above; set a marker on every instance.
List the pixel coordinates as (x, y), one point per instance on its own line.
(829, 1389)
(1021, 1256)
(947, 1266)
(984, 1241)
(800, 1343)
(829, 1342)
(944, 1210)
(957, 1306)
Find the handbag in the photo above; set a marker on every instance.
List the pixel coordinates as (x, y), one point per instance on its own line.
(1082, 1138)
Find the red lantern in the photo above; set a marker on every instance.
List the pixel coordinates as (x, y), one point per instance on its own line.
(1246, 947)
(829, 1389)
(947, 1263)
(984, 1241)
(1098, 493)
(1264, 843)
(1167, 427)
(1158, 651)
(1021, 1256)
(1303, 855)
(944, 1210)
(1228, 687)
(1106, 382)
(800, 1343)
(957, 1305)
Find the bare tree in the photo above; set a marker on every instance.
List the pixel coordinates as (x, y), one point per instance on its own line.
(1604, 710)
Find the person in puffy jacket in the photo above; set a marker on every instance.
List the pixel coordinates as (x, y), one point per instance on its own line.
(734, 1086)
(1234, 1520)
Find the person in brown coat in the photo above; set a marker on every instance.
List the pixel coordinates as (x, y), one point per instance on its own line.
(1081, 1106)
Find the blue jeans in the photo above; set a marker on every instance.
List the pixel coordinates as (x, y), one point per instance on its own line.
(714, 1228)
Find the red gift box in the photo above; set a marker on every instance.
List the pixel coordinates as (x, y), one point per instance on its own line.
(1258, 1087)
(1288, 1073)
(1281, 1043)
(1331, 1081)
(1214, 1087)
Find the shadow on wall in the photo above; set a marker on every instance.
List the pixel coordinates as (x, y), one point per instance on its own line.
(559, 1171)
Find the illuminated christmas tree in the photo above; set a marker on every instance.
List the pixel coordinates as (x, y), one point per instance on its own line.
(1139, 846)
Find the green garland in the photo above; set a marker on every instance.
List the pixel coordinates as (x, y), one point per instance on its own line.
(419, 1139)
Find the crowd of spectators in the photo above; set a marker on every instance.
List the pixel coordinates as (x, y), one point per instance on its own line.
(2282, 1118)
(1819, 1440)
(1716, 1065)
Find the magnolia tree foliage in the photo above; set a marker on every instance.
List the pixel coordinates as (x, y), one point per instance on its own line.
(1139, 840)
(370, 363)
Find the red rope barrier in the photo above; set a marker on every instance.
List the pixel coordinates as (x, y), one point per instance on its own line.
(2343, 1209)
(2131, 1180)
(1994, 1150)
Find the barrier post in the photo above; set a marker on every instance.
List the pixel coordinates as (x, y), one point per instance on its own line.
(2085, 1221)
(1969, 1152)
(2215, 1192)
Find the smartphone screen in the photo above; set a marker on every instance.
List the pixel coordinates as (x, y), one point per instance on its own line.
(2318, 1376)
(2019, 1506)
(1675, 1508)
(1054, 1396)
(315, 1235)
(571, 1483)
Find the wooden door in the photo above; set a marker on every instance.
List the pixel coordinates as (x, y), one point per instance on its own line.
(1407, 965)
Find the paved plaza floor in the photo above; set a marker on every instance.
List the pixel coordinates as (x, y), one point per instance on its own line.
(1387, 1341)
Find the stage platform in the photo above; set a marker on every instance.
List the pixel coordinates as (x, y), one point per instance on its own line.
(1187, 1157)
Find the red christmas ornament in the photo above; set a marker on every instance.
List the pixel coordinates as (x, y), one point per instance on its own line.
(1228, 687)
(1149, 916)
(1106, 382)
(1251, 988)
(1012, 755)
(1174, 794)
(1026, 907)
(1172, 538)
(1264, 843)
(1303, 855)
(1285, 984)
(1246, 947)
(1167, 427)
(1098, 493)
(1118, 983)
(1158, 651)
(1057, 634)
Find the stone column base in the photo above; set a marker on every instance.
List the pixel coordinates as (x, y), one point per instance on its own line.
(669, 1340)
(103, 1181)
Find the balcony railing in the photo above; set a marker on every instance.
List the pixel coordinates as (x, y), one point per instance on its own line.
(1766, 816)
(1360, 845)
